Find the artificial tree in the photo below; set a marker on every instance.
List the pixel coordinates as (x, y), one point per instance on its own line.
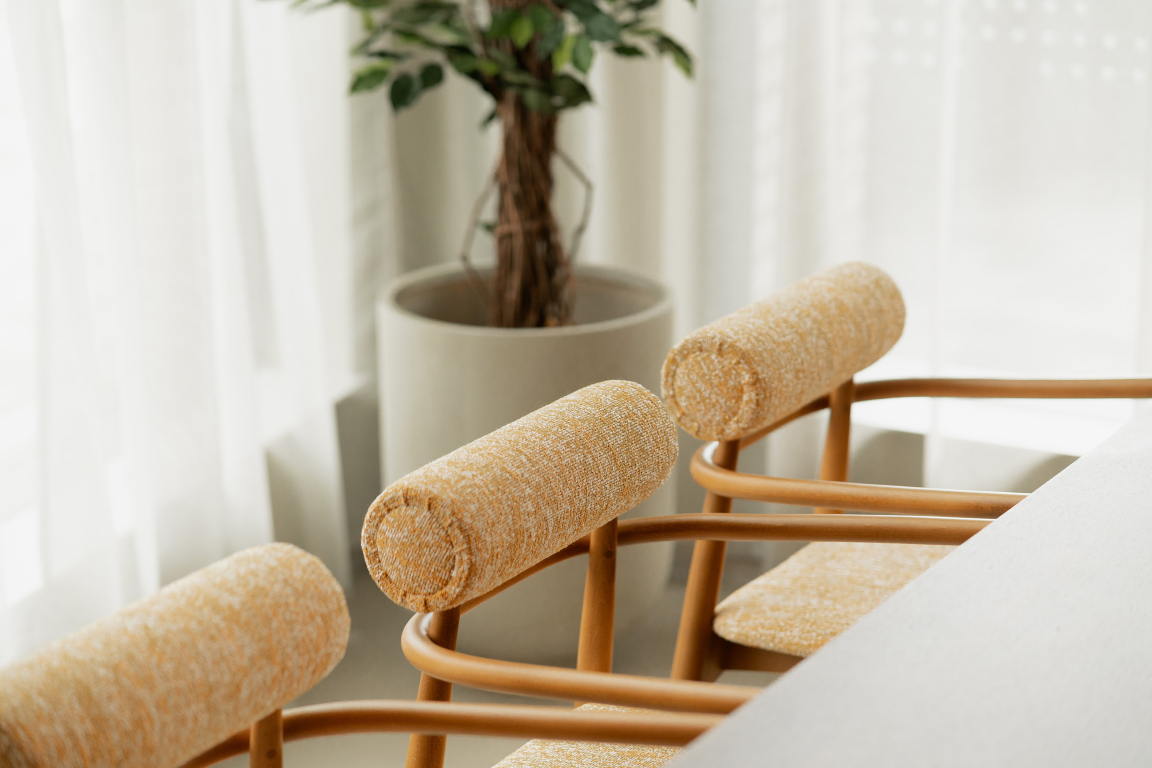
(530, 57)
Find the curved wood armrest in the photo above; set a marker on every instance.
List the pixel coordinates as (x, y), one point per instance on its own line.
(1034, 389)
(893, 499)
(738, 527)
(562, 683)
(801, 527)
(663, 729)
(1037, 389)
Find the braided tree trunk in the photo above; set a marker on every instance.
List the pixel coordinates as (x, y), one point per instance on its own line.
(531, 285)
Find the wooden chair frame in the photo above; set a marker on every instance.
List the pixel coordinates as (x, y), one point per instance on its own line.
(265, 739)
(692, 707)
(700, 653)
(912, 515)
(429, 639)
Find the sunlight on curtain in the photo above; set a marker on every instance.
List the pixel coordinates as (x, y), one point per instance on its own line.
(992, 156)
(175, 296)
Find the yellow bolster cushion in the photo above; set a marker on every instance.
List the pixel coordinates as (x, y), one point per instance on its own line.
(758, 364)
(159, 682)
(469, 521)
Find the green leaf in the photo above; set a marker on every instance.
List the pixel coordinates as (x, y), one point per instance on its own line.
(373, 33)
(562, 55)
(417, 14)
(388, 55)
(537, 101)
(415, 38)
(582, 54)
(680, 56)
(464, 63)
(522, 31)
(542, 18)
(411, 16)
(598, 25)
(501, 25)
(582, 9)
(488, 67)
(371, 76)
(517, 77)
(452, 34)
(550, 39)
(488, 119)
(570, 90)
(602, 28)
(431, 76)
(404, 91)
(368, 3)
(628, 50)
(504, 59)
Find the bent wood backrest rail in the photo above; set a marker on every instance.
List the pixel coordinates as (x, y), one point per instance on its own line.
(467, 522)
(746, 375)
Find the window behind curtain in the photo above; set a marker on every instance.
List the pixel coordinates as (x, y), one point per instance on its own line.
(1003, 183)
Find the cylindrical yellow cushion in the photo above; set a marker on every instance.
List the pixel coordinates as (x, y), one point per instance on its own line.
(469, 521)
(164, 679)
(758, 364)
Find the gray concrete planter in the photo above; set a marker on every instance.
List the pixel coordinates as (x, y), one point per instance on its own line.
(447, 379)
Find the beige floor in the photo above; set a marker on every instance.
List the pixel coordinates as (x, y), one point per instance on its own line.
(374, 668)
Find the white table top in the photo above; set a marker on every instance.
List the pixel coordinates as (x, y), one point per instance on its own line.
(1029, 645)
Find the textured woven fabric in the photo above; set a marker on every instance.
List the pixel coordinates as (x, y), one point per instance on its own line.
(819, 592)
(757, 365)
(542, 753)
(469, 521)
(160, 681)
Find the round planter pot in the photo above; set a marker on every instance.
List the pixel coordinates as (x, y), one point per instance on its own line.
(447, 379)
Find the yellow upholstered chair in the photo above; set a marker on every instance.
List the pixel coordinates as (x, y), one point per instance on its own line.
(199, 672)
(456, 531)
(735, 381)
(172, 675)
(543, 489)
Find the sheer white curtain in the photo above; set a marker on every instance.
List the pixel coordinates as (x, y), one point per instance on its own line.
(195, 218)
(176, 303)
(991, 154)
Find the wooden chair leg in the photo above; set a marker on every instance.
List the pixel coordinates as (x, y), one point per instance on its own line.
(694, 637)
(427, 751)
(834, 465)
(597, 618)
(266, 742)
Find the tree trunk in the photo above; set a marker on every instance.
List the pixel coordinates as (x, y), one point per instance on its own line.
(531, 284)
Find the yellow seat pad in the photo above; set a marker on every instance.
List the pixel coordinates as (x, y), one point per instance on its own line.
(820, 591)
(587, 754)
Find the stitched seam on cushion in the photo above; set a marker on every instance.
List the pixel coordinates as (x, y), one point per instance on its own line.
(735, 422)
(854, 333)
(395, 588)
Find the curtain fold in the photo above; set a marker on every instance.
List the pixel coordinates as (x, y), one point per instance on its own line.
(189, 203)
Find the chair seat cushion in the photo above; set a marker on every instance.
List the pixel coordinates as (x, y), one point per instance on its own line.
(820, 591)
(588, 754)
